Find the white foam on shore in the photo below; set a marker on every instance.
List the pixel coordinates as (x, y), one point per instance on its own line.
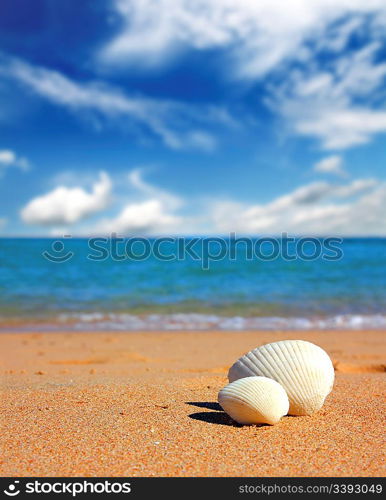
(193, 321)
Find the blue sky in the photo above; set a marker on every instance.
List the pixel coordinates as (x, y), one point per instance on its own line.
(176, 116)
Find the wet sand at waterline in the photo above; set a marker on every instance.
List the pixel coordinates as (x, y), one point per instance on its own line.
(144, 404)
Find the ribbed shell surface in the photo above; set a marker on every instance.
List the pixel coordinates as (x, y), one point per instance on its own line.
(254, 400)
(302, 368)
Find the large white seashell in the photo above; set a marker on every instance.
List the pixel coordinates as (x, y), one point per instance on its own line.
(254, 400)
(302, 368)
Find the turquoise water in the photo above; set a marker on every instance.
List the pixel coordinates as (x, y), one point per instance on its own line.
(151, 294)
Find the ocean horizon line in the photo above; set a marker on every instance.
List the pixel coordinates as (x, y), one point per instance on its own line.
(198, 235)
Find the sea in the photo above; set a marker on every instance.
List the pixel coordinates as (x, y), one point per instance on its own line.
(78, 284)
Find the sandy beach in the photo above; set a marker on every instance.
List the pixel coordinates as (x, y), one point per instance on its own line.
(144, 404)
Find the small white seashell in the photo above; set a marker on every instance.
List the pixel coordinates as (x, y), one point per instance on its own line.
(254, 400)
(302, 368)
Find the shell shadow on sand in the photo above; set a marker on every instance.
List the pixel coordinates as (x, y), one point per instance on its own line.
(218, 417)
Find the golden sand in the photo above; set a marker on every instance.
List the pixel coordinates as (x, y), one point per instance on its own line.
(144, 404)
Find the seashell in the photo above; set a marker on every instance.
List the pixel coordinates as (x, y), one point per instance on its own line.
(254, 400)
(302, 368)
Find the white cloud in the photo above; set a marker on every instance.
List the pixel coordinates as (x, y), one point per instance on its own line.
(331, 165)
(319, 208)
(338, 104)
(148, 217)
(356, 208)
(9, 158)
(178, 125)
(341, 129)
(257, 36)
(358, 186)
(66, 206)
(333, 98)
(169, 200)
(154, 214)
